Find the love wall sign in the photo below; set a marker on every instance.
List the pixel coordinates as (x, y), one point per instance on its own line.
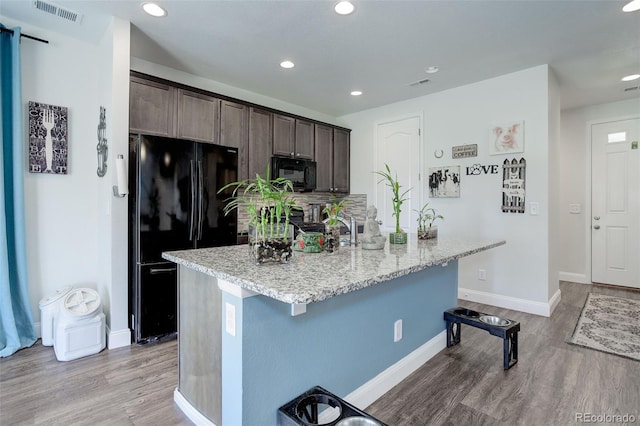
(478, 169)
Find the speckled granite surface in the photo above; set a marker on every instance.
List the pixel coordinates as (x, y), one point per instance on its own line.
(313, 277)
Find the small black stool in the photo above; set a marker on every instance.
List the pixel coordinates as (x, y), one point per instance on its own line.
(505, 328)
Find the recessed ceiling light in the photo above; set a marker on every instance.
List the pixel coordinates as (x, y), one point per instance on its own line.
(631, 77)
(431, 70)
(632, 6)
(356, 93)
(154, 10)
(287, 64)
(344, 8)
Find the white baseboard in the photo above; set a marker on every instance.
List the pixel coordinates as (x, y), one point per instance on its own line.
(194, 415)
(573, 277)
(554, 301)
(119, 338)
(38, 327)
(522, 305)
(366, 394)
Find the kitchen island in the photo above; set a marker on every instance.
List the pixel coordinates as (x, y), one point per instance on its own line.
(253, 337)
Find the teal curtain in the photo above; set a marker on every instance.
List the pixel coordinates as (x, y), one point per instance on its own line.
(16, 319)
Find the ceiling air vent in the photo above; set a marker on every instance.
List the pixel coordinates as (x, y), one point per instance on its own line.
(58, 11)
(419, 82)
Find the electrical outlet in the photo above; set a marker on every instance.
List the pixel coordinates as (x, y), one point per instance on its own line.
(397, 330)
(230, 322)
(482, 274)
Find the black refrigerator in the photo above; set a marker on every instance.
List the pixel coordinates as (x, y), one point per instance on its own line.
(174, 205)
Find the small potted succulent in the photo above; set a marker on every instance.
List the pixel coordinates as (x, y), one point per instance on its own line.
(426, 218)
(399, 236)
(333, 212)
(269, 203)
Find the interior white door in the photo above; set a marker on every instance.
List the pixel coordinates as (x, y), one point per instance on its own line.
(398, 145)
(615, 210)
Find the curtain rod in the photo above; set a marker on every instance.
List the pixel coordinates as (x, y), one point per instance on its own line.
(25, 35)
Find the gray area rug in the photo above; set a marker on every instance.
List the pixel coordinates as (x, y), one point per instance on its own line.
(609, 324)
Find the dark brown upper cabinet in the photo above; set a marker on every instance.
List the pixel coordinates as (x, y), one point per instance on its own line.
(293, 137)
(284, 135)
(341, 160)
(260, 141)
(234, 123)
(152, 108)
(332, 156)
(198, 116)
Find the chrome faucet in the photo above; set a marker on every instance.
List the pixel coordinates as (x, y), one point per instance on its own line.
(351, 226)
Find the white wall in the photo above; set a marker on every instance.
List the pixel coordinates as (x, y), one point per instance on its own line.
(518, 273)
(575, 176)
(69, 217)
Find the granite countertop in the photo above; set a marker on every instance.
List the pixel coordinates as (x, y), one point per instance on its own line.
(313, 277)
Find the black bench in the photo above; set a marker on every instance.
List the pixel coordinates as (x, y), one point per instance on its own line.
(505, 328)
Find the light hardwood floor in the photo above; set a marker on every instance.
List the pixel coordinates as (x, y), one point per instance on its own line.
(462, 385)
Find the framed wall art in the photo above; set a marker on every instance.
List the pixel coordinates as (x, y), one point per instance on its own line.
(444, 181)
(48, 145)
(514, 174)
(506, 138)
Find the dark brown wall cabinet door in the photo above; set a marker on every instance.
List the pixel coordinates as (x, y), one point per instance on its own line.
(284, 133)
(260, 141)
(151, 108)
(324, 158)
(340, 161)
(197, 116)
(234, 122)
(304, 140)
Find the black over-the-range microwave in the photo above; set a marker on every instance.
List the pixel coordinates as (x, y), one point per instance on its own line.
(302, 173)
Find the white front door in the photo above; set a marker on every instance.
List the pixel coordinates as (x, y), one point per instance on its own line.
(398, 145)
(615, 210)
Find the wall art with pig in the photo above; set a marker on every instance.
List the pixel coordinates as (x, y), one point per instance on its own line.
(507, 139)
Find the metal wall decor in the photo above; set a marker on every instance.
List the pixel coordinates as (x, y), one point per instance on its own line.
(513, 185)
(479, 169)
(444, 181)
(464, 151)
(102, 143)
(48, 145)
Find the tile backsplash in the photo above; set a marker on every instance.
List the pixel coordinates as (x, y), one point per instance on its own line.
(356, 205)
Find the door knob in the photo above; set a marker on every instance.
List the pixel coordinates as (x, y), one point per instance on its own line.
(596, 217)
(596, 226)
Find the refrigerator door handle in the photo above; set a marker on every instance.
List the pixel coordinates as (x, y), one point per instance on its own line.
(154, 271)
(192, 214)
(200, 199)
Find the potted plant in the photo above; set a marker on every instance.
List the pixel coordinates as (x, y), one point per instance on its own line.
(426, 218)
(399, 236)
(333, 211)
(268, 203)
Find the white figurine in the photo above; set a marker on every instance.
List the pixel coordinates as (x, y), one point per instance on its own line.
(371, 237)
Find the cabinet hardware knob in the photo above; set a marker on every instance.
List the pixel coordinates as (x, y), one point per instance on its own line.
(596, 217)
(293, 153)
(596, 226)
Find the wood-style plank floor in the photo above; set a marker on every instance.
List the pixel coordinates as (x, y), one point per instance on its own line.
(550, 384)
(462, 385)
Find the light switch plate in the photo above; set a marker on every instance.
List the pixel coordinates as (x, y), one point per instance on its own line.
(533, 209)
